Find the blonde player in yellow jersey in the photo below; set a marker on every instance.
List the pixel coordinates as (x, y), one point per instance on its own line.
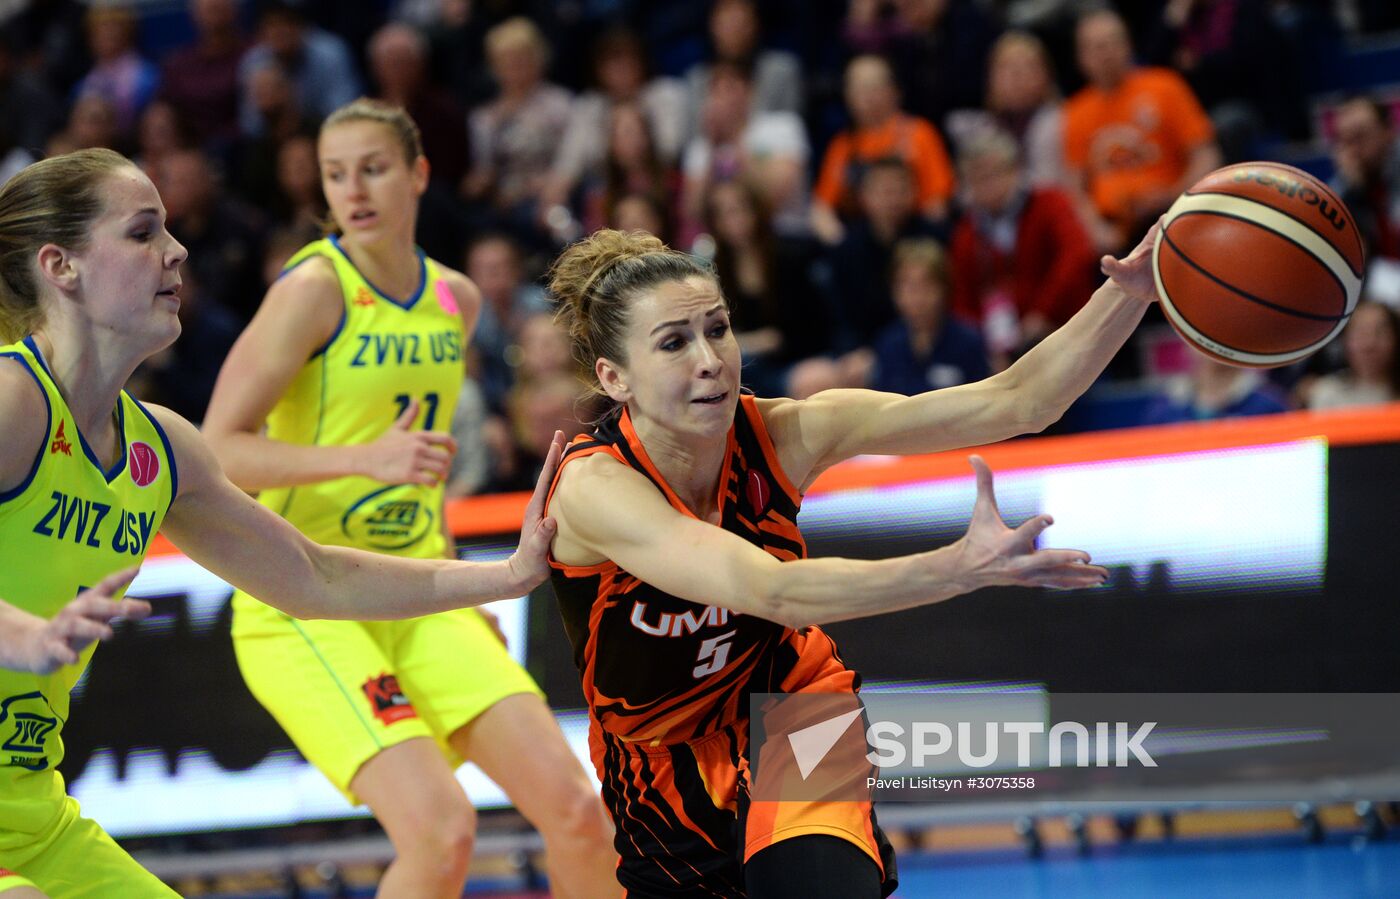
(335, 404)
(89, 288)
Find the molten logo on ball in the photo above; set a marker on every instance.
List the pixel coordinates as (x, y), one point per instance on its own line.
(145, 464)
(1291, 188)
(1258, 264)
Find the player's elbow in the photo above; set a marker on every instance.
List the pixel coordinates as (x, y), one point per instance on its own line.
(782, 604)
(311, 596)
(1036, 419)
(1025, 408)
(223, 442)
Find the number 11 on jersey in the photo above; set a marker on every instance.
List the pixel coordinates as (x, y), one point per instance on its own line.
(430, 400)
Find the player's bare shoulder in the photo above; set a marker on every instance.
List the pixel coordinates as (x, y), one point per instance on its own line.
(577, 511)
(307, 300)
(580, 482)
(794, 426)
(25, 413)
(466, 294)
(778, 413)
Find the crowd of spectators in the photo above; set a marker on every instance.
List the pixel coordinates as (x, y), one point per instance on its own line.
(901, 194)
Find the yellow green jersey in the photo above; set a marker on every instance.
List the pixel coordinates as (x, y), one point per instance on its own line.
(69, 524)
(385, 355)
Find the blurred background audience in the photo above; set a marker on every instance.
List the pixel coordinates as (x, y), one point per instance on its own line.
(814, 166)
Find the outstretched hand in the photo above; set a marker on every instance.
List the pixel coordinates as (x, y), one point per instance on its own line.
(997, 554)
(1133, 273)
(85, 620)
(530, 561)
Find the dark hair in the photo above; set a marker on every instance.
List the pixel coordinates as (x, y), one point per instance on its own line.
(285, 10)
(619, 40)
(885, 164)
(727, 256)
(485, 237)
(1379, 110)
(1392, 320)
(654, 203)
(926, 253)
(743, 70)
(616, 185)
(53, 201)
(595, 281)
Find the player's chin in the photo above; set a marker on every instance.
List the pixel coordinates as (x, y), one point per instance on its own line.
(165, 332)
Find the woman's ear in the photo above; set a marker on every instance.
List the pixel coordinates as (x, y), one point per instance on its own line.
(613, 380)
(55, 266)
(420, 171)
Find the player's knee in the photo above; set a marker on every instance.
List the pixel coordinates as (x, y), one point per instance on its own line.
(579, 816)
(444, 851)
(443, 832)
(456, 840)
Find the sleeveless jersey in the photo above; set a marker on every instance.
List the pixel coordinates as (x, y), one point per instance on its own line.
(66, 527)
(660, 669)
(385, 355)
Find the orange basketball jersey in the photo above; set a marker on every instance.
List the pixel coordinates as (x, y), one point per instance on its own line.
(657, 668)
(668, 682)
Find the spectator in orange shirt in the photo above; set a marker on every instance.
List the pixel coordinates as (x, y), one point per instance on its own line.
(1135, 137)
(880, 131)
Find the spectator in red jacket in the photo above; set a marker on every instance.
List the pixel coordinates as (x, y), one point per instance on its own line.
(1022, 261)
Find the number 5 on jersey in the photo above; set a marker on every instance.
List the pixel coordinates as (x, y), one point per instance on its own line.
(714, 653)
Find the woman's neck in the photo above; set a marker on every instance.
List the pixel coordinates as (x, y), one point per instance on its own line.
(690, 465)
(89, 373)
(392, 266)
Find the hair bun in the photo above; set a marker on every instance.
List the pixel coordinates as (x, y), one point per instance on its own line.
(584, 263)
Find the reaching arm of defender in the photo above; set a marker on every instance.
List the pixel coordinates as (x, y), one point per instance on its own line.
(252, 548)
(42, 646)
(814, 434)
(646, 537)
(299, 316)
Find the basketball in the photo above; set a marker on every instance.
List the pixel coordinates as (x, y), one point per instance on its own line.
(1258, 264)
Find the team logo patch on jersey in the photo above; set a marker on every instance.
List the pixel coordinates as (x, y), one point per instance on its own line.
(759, 493)
(389, 518)
(145, 464)
(25, 724)
(60, 442)
(387, 700)
(363, 297)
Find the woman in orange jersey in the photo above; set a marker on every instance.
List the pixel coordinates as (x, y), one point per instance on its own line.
(89, 289)
(682, 576)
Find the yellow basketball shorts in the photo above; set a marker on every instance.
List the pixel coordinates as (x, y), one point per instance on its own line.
(74, 858)
(344, 690)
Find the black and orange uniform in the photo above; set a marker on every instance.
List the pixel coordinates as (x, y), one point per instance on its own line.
(668, 682)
